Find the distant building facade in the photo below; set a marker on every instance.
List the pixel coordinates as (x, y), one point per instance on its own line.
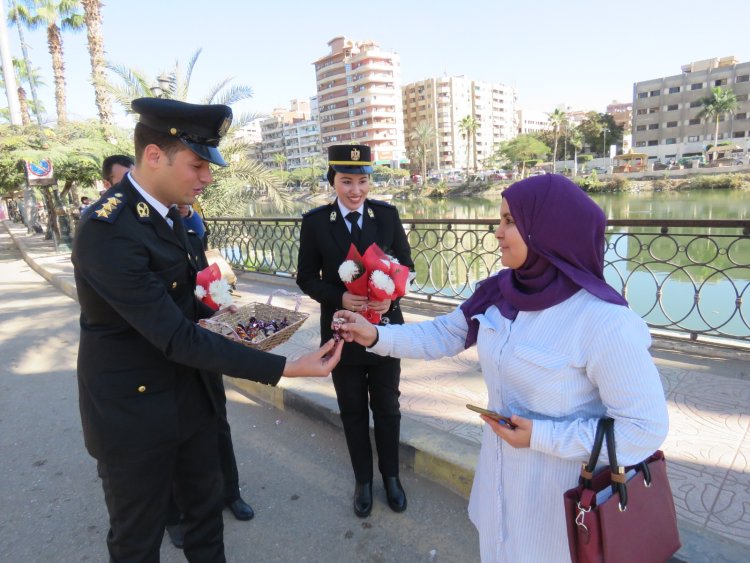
(443, 103)
(622, 114)
(530, 122)
(359, 99)
(665, 110)
(292, 133)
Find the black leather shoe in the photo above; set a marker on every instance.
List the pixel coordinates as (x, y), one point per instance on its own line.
(363, 499)
(241, 510)
(395, 493)
(176, 535)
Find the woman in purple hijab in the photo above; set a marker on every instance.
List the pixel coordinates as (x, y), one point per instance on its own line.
(559, 348)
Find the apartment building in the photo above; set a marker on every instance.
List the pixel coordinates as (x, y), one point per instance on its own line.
(665, 110)
(622, 114)
(530, 122)
(292, 133)
(443, 103)
(359, 99)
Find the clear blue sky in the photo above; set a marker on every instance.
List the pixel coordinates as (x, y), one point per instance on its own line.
(581, 53)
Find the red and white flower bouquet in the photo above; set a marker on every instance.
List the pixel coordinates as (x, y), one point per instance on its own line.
(374, 275)
(212, 289)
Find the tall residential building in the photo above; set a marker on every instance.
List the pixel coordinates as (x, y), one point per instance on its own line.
(665, 110)
(443, 103)
(291, 133)
(359, 99)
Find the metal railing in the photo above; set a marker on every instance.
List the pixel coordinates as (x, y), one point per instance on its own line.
(685, 276)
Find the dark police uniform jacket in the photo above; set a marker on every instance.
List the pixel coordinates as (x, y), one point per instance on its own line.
(324, 244)
(143, 362)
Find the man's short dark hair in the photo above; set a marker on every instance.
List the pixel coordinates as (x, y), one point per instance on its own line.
(109, 163)
(84, 199)
(145, 135)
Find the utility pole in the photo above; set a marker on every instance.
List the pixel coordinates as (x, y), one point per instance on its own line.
(11, 88)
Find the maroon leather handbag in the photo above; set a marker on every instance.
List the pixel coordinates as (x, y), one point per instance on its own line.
(621, 514)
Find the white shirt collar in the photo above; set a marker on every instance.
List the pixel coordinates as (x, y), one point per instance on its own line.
(160, 208)
(345, 212)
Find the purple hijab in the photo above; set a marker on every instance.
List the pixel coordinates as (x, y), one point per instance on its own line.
(564, 231)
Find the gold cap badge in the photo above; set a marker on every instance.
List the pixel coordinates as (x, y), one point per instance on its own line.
(355, 154)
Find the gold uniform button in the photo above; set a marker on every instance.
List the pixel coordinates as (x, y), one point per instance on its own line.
(174, 284)
(142, 389)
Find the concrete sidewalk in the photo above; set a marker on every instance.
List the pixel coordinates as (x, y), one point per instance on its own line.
(708, 392)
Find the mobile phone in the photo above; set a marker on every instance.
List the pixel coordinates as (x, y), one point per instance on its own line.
(493, 415)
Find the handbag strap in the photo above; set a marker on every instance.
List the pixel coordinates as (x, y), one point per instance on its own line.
(617, 472)
(587, 471)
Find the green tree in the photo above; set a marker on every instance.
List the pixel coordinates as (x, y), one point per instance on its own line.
(244, 178)
(719, 102)
(55, 16)
(93, 18)
(557, 118)
(521, 150)
(592, 129)
(468, 127)
(423, 135)
(24, 76)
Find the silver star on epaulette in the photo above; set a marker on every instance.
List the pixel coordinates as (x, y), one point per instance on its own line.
(370, 213)
(332, 218)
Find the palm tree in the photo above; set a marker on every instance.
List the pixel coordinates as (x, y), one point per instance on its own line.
(280, 160)
(468, 127)
(22, 74)
(244, 177)
(575, 138)
(721, 101)
(13, 16)
(556, 119)
(423, 135)
(92, 16)
(49, 13)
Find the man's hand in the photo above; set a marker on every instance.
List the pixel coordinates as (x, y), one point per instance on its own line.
(356, 328)
(315, 364)
(352, 302)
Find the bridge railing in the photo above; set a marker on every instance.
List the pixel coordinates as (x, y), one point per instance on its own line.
(685, 276)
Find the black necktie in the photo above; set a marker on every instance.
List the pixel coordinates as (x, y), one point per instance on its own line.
(177, 226)
(353, 218)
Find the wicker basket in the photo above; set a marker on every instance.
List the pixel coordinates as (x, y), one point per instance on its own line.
(225, 323)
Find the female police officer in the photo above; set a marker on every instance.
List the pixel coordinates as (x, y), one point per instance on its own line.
(326, 235)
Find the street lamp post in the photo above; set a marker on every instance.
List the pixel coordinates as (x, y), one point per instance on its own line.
(604, 149)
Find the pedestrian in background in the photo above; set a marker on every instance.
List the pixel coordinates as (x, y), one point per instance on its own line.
(559, 349)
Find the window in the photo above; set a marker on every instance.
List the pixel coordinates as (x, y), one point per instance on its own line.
(693, 139)
(696, 104)
(738, 134)
(640, 128)
(653, 143)
(672, 107)
(642, 95)
(674, 89)
(696, 86)
(640, 144)
(653, 126)
(654, 93)
(670, 141)
(742, 115)
(741, 97)
(744, 78)
(720, 82)
(653, 110)
(641, 112)
(671, 124)
(694, 121)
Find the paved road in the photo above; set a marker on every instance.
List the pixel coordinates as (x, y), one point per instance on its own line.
(293, 469)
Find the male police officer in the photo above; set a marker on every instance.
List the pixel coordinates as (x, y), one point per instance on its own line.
(147, 407)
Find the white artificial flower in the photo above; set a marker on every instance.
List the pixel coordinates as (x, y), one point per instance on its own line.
(383, 281)
(349, 271)
(200, 291)
(219, 291)
(392, 259)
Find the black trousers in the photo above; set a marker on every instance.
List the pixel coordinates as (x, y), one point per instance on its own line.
(353, 384)
(137, 493)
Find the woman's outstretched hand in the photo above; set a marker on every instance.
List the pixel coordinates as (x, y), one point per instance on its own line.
(356, 328)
